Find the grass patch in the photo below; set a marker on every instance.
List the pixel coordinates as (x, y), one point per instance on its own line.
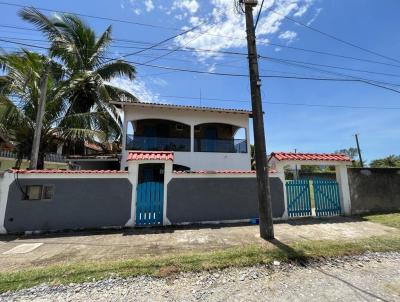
(392, 220)
(165, 266)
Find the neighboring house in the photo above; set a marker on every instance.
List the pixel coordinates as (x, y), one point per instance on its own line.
(202, 138)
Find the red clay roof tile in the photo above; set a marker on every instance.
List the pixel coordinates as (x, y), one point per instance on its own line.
(150, 155)
(310, 156)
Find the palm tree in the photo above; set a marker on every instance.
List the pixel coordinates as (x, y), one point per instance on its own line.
(86, 69)
(19, 98)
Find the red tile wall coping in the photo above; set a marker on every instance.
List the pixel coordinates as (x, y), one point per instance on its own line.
(310, 156)
(220, 172)
(67, 171)
(150, 155)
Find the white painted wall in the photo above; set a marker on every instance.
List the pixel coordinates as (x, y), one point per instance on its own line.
(5, 181)
(194, 160)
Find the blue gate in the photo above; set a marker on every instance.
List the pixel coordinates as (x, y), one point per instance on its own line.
(149, 203)
(327, 199)
(298, 197)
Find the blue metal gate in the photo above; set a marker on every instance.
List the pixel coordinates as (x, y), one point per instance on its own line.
(149, 203)
(298, 197)
(327, 199)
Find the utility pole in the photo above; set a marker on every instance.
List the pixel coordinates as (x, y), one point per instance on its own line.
(359, 151)
(39, 117)
(264, 194)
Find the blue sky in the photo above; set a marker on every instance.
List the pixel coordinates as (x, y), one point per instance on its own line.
(366, 23)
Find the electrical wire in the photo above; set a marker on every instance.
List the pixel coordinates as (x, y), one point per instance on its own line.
(353, 79)
(334, 37)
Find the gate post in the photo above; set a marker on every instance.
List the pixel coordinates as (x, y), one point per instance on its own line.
(280, 171)
(344, 189)
(167, 177)
(133, 172)
(5, 182)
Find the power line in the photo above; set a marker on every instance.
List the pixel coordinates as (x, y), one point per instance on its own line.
(230, 52)
(258, 15)
(333, 66)
(282, 103)
(92, 16)
(353, 79)
(334, 37)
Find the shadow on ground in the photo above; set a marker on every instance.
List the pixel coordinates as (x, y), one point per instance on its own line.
(171, 229)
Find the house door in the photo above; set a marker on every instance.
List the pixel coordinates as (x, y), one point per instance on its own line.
(150, 195)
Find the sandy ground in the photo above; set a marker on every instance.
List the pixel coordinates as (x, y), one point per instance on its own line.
(124, 244)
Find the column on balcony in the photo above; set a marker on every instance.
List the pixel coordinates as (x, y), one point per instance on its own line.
(191, 138)
(124, 134)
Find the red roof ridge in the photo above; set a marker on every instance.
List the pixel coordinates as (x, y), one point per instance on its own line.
(310, 156)
(150, 155)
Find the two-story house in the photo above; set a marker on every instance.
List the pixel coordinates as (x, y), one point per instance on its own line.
(202, 138)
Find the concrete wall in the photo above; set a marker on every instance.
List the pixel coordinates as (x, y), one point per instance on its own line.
(77, 203)
(374, 189)
(217, 199)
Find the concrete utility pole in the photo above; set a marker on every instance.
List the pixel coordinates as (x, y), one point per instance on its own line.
(39, 117)
(264, 194)
(359, 151)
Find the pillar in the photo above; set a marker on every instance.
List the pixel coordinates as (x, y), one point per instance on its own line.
(191, 138)
(5, 182)
(344, 189)
(123, 148)
(133, 173)
(167, 178)
(280, 173)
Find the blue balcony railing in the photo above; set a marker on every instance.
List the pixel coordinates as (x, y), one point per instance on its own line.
(146, 143)
(220, 145)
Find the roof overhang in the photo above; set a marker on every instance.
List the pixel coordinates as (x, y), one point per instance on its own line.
(184, 107)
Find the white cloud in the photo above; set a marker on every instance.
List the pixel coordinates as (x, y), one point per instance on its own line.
(191, 5)
(138, 88)
(288, 35)
(149, 5)
(317, 12)
(225, 27)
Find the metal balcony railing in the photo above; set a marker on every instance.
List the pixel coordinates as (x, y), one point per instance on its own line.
(220, 145)
(146, 143)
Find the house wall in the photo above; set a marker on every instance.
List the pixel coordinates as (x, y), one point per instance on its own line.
(207, 198)
(77, 203)
(374, 189)
(195, 160)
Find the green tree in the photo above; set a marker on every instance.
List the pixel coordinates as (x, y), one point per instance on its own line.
(391, 161)
(353, 154)
(87, 72)
(19, 97)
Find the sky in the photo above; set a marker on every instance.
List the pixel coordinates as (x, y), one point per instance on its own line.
(307, 115)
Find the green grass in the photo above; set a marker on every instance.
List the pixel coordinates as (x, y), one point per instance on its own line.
(392, 220)
(164, 266)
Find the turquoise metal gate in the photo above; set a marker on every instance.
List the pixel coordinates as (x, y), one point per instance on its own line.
(298, 197)
(149, 203)
(327, 199)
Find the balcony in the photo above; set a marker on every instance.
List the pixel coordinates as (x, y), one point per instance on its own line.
(220, 145)
(148, 143)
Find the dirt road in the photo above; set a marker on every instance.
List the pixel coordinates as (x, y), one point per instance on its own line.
(370, 277)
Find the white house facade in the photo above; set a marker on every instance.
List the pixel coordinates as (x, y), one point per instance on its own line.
(201, 138)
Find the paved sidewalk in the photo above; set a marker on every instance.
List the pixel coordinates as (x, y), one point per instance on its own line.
(123, 244)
